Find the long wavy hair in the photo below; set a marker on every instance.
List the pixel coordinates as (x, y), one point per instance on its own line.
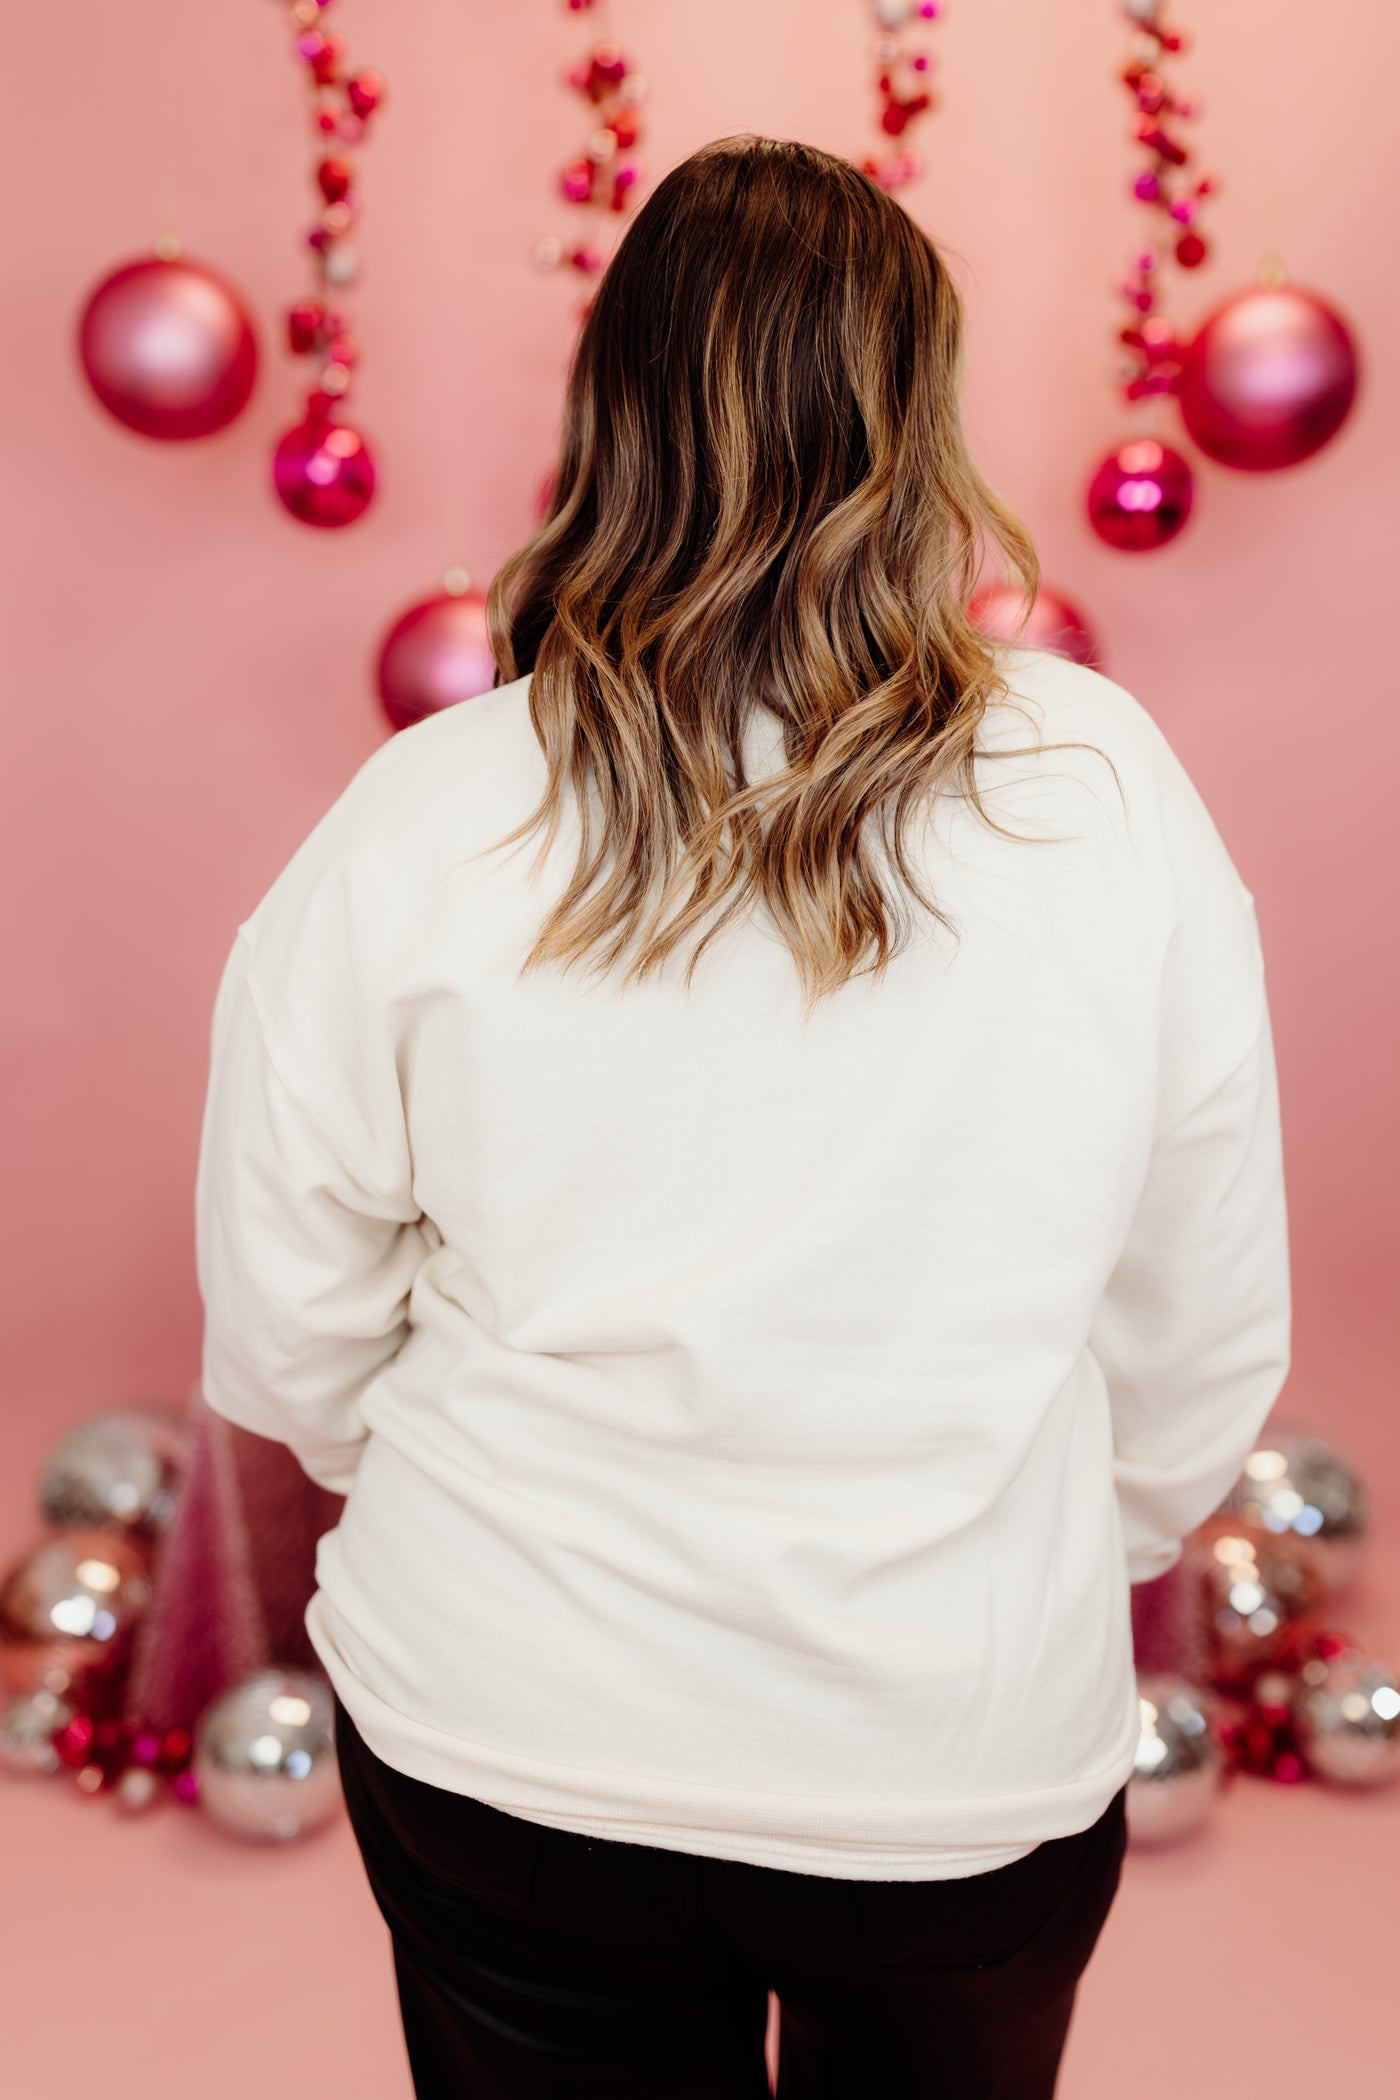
(764, 497)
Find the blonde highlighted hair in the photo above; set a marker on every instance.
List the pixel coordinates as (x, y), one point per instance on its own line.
(764, 496)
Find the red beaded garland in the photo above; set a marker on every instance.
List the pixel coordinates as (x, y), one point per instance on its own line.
(322, 469)
(604, 178)
(901, 72)
(1167, 186)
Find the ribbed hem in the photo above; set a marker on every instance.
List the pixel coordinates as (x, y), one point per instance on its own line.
(848, 1838)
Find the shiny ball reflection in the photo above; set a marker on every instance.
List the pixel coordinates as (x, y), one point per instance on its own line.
(323, 472)
(1346, 1710)
(121, 1468)
(1177, 1770)
(436, 655)
(69, 1609)
(1296, 1488)
(1269, 378)
(1053, 622)
(264, 1756)
(1253, 1592)
(168, 348)
(1140, 496)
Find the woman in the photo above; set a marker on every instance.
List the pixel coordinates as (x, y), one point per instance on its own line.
(771, 1266)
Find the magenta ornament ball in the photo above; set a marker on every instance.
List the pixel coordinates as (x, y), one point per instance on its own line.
(1140, 497)
(168, 349)
(323, 472)
(435, 655)
(1268, 379)
(1055, 621)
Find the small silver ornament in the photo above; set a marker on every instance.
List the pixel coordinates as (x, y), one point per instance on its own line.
(27, 1728)
(1298, 1489)
(1346, 1710)
(264, 1756)
(121, 1468)
(137, 1790)
(1176, 1772)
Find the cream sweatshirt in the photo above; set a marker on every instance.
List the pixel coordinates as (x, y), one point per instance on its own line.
(751, 1425)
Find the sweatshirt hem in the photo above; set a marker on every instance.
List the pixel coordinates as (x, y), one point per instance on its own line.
(844, 1837)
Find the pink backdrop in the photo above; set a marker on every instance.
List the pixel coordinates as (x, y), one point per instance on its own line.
(188, 669)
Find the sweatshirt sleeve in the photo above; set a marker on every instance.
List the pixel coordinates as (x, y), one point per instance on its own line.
(1193, 1331)
(305, 1269)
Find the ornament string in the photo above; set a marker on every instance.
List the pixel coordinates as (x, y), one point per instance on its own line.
(903, 87)
(1168, 187)
(602, 183)
(323, 472)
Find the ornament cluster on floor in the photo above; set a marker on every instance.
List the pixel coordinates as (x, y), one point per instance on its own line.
(260, 1758)
(1275, 1689)
(1267, 1684)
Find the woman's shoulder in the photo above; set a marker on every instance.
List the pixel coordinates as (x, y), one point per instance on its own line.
(421, 805)
(1079, 722)
(1063, 700)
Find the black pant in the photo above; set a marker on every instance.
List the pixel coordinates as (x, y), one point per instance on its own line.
(533, 1961)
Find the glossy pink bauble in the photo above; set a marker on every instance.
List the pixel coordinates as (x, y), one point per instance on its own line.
(1055, 622)
(168, 349)
(1268, 379)
(436, 654)
(1141, 496)
(323, 472)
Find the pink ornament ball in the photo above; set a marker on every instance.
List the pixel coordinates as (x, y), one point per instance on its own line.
(323, 472)
(435, 655)
(1140, 497)
(168, 349)
(1055, 621)
(1269, 379)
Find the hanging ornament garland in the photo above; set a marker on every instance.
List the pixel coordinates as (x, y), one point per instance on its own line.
(437, 653)
(322, 469)
(903, 86)
(1265, 382)
(904, 94)
(603, 181)
(1141, 495)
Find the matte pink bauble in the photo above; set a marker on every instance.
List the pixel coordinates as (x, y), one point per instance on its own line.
(436, 654)
(323, 472)
(168, 349)
(1055, 622)
(1268, 379)
(1141, 496)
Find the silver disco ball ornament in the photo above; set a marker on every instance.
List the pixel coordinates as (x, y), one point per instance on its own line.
(27, 1727)
(1346, 1710)
(121, 1468)
(1300, 1490)
(264, 1756)
(1176, 1772)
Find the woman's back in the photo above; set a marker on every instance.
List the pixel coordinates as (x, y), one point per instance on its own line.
(746, 1410)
